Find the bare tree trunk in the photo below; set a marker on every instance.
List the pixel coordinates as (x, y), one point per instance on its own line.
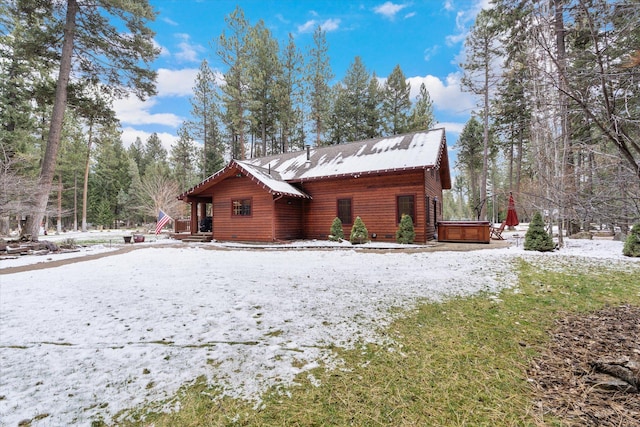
(205, 145)
(519, 163)
(85, 185)
(565, 169)
(241, 137)
(485, 141)
(475, 192)
(511, 158)
(59, 220)
(263, 134)
(55, 128)
(75, 201)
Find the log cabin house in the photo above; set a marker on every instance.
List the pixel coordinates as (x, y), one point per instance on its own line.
(297, 195)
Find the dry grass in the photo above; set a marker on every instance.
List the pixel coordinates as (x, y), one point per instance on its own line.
(458, 363)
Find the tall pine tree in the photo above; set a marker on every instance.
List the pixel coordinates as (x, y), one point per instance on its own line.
(122, 64)
(203, 126)
(265, 71)
(480, 78)
(232, 50)
(356, 90)
(470, 160)
(290, 98)
(422, 117)
(318, 76)
(184, 160)
(372, 108)
(396, 102)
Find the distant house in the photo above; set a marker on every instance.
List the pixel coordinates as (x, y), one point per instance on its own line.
(298, 195)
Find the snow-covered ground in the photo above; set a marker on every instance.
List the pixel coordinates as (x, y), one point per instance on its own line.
(92, 338)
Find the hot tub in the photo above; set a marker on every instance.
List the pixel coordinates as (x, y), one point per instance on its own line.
(464, 231)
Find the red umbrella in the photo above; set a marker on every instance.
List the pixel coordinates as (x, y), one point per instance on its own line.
(512, 215)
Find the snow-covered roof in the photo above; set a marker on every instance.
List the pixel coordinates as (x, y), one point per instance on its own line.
(270, 180)
(417, 150)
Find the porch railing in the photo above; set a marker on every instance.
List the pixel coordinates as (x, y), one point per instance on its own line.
(182, 225)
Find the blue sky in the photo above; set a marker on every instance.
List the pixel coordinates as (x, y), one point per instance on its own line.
(425, 37)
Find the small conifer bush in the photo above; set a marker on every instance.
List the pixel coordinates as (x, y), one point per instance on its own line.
(359, 233)
(632, 244)
(537, 238)
(336, 234)
(406, 233)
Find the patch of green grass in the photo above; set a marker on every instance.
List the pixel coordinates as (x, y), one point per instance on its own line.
(458, 363)
(98, 241)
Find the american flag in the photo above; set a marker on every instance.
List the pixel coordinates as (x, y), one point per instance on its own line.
(163, 219)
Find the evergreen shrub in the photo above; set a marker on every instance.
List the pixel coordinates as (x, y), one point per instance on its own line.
(359, 233)
(632, 244)
(537, 238)
(336, 234)
(406, 233)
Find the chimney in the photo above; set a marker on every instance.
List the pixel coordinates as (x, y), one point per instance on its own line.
(308, 153)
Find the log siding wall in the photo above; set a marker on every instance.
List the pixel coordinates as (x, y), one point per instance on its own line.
(374, 199)
(256, 227)
(288, 219)
(432, 189)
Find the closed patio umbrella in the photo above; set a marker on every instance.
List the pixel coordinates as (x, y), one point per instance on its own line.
(512, 215)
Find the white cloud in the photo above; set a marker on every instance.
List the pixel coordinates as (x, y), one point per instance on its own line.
(330, 25)
(388, 9)
(446, 95)
(130, 134)
(430, 51)
(133, 111)
(448, 5)
(454, 128)
(176, 82)
(163, 50)
(310, 26)
(282, 19)
(170, 21)
(409, 15)
(464, 18)
(188, 52)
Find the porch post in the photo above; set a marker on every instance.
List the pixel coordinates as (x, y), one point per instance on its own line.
(203, 213)
(194, 217)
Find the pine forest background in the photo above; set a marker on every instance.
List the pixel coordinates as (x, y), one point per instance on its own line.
(557, 122)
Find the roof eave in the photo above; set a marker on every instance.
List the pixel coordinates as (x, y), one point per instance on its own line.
(205, 182)
(270, 190)
(359, 174)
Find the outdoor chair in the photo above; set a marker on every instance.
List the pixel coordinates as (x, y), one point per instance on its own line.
(496, 232)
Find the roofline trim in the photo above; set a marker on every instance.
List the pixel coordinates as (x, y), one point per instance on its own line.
(364, 173)
(267, 188)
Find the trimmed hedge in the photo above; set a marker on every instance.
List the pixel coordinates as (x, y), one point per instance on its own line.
(336, 234)
(359, 233)
(406, 233)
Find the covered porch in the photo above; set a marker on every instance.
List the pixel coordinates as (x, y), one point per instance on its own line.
(199, 225)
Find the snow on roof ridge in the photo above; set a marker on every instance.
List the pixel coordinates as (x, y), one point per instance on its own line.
(412, 150)
(409, 151)
(270, 178)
